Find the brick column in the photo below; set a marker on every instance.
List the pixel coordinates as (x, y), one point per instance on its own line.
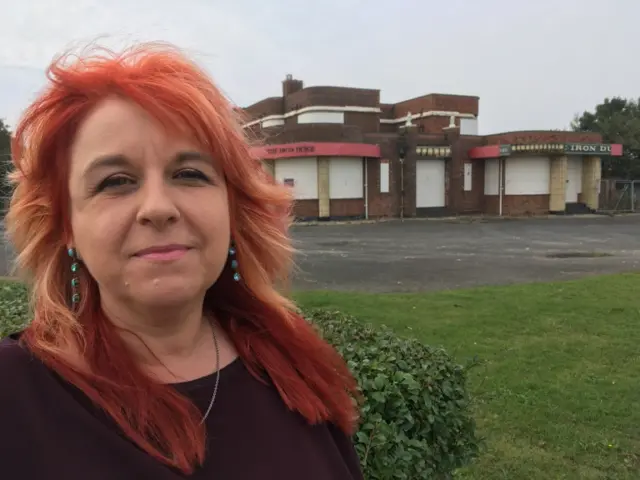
(410, 174)
(558, 184)
(324, 204)
(591, 176)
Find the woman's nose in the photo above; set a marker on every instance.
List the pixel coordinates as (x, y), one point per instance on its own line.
(157, 207)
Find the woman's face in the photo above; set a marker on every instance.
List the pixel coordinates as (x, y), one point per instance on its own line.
(149, 210)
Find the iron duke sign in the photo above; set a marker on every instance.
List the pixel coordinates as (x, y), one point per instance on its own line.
(587, 149)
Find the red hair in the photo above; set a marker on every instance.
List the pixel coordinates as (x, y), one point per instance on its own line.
(269, 334)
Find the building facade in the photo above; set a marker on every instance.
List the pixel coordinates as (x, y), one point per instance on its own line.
(346, 155)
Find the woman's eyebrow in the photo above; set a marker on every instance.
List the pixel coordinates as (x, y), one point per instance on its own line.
(106, 161)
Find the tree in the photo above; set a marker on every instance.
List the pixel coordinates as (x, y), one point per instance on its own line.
(5, 137)
(618, 121)
(5, 164)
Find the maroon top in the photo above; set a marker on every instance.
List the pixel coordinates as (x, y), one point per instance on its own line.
(51, 430)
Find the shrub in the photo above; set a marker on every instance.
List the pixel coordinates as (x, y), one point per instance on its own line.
(14, 307)
(416, 419)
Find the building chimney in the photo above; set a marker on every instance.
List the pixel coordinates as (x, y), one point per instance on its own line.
(290, 85)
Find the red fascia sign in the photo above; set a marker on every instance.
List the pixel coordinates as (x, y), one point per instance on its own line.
(319, 149)
(595, 149)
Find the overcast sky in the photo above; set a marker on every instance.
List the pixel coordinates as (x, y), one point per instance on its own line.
(534, 64)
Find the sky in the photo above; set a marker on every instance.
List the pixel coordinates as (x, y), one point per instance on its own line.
(534, 65)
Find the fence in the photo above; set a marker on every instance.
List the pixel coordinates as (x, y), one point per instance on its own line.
(619, 196)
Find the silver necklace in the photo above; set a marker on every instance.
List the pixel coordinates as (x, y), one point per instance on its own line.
(215, 387)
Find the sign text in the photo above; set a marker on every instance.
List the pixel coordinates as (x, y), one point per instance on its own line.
(586, 148)
(299, 149)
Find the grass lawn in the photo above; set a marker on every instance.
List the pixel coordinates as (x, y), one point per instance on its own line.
(557, 394)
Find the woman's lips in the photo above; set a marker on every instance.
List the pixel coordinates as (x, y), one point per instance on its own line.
(163, 252)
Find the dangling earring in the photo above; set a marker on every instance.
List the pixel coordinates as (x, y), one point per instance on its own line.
(234, 262)
(75, 281)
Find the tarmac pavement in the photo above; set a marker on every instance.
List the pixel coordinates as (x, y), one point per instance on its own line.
(421, 255)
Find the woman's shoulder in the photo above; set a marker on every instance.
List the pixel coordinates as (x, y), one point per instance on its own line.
(18, 368)
(13, 354)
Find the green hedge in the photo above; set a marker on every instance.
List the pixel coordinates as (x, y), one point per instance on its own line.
(14, 307)
(417, 422)
(416, 417)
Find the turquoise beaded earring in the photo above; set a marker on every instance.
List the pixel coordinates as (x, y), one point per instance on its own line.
(75, 281)
(234, 262)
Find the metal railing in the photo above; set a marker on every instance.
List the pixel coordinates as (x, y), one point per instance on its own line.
(619, 196)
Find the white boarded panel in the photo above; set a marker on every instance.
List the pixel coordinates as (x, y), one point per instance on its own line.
(491, 176)
(468, 177)
(321, 117)
(430, 182)
(346, 177)
(574, 178)
(527, 176)
(301, 173)
(384, 176)
(468, 126)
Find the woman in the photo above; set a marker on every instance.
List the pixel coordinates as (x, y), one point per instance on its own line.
(160, 347)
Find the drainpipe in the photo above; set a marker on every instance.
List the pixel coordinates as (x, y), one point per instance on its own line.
(402, 189)
(366, 190)
(500, 183)
(402, 146)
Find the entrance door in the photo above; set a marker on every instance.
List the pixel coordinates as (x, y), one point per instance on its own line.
(574, 179)
(430, 180)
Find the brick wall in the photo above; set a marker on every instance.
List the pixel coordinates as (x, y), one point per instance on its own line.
(387, 111)
(367, 122)
(525, 205)
(439, 102)
(384, 204)
(381, 205)
(517, 205)
(461, 201)
(313, 132)
(305, 209)
(347, 208)
(332, 96)
(264, 108)
(432, 124)
(296, 97)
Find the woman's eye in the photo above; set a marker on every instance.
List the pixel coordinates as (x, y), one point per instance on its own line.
(114, 182)
(191, 174)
